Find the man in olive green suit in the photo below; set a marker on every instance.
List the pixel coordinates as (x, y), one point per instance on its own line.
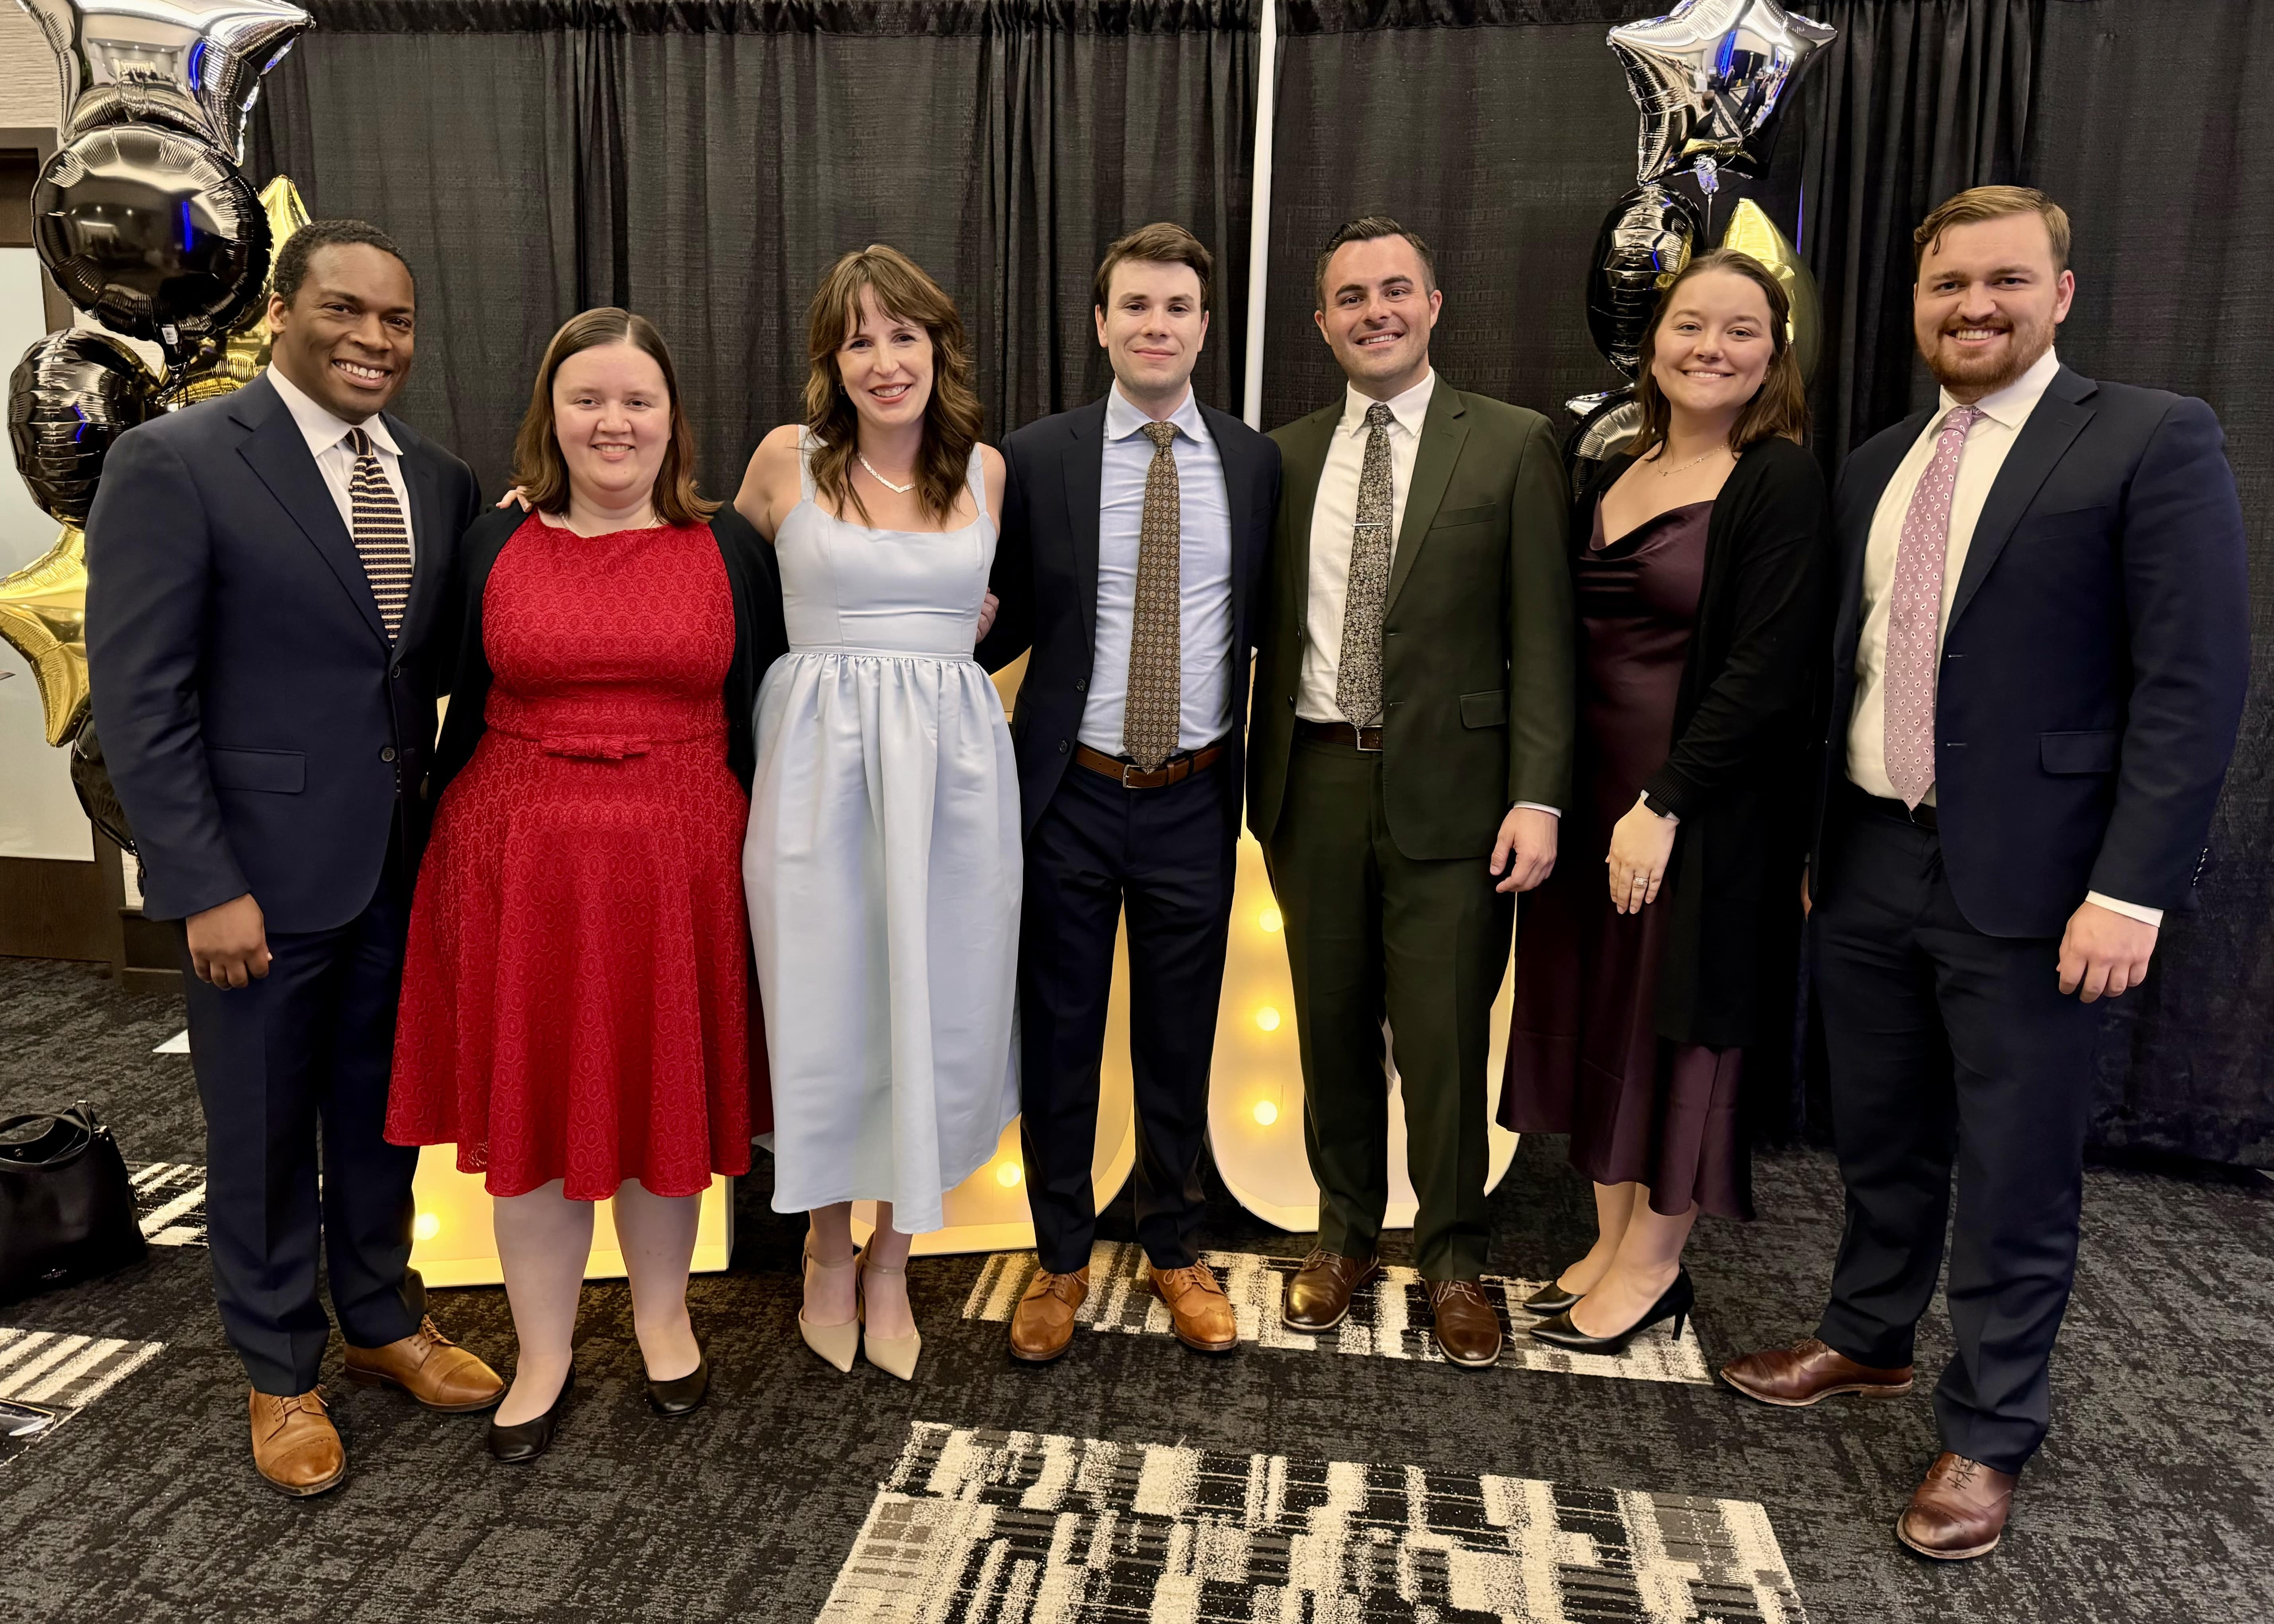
(1409, 754)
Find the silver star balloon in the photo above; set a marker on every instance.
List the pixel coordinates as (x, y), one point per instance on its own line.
(1709, 76)
(194, 66)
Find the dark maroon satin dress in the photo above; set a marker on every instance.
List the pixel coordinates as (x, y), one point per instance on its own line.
(1584, 1055)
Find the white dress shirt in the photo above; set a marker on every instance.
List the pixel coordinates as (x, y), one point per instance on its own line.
(2004, 415)
(1334, 519)
(1333, 523)
(327, 442)
(1204, 577)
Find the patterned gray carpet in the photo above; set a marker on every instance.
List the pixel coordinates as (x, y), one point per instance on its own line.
(1351, 1481)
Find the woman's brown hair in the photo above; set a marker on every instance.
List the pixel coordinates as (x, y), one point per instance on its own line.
(1779, 407)
(952, 415)
(538, 468)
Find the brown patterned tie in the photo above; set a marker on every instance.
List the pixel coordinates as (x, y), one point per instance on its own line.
(1358, 675)
(1150, 712)
(380, 540)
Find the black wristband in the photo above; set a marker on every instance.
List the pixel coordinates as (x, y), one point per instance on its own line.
(1656, 805)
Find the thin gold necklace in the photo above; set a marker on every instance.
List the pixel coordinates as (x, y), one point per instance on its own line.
(1663, 473)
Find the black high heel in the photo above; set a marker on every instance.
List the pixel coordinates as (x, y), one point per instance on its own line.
(1551, 1300)
(525, 1440)
(682, 1394)
(1674, 1304)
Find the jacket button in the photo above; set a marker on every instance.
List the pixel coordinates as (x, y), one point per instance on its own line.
(387, 754)
(1062, 746)
(396, 673)
(1081, 685)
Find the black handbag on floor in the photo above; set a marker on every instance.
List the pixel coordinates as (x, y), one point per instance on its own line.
(66, 1209)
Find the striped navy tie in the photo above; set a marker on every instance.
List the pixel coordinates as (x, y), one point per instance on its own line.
(379, 538)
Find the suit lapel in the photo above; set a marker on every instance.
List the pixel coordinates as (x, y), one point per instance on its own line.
(278, 454)
(430, 544)
(1302, 459)
(2044, 439)
(1082, 465)
(1444, 428)
(1866, 486)
(1239, 503)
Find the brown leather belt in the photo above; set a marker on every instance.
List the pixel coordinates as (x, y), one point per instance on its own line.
(1367, 739)
(1175, 770)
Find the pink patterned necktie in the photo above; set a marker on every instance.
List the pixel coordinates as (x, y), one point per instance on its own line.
(1915, 615)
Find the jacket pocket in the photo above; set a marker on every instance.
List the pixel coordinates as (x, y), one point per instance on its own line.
(281, 773)
(2068, 522)
(2069, 754)
(1486, 710)
(1447, 517)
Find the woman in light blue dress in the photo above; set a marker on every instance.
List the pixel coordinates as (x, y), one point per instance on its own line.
(883, 861)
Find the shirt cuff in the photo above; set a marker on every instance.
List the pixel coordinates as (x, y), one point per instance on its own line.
(1533, 806)
(2130, 910)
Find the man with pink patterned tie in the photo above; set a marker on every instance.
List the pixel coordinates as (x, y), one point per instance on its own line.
(2038, 675)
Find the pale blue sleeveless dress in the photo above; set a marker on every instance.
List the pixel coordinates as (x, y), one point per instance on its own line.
(882, 866)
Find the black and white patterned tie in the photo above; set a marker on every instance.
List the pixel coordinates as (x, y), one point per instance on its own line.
(380, 540)
(1357, 673)
(1151, 708)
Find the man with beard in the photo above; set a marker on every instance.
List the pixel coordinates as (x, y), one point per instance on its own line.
(2038, 670)
(266, 621)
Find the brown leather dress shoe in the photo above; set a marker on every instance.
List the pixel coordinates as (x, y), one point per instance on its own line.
(1042, 1325)
(431, 1368)
(1959, 1511)
(1796, 1377)
(1318, 1296)
(1198, 1308)
(1468, 1331)
(294, 1445)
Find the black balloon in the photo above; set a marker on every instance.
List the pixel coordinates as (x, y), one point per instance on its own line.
(1645, 240)
(155, 234)
(98, 797)
(70, 397)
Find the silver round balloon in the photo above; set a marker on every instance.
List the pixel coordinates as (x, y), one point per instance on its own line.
(1645, 240)
(194, 66)
(1607, 421)
(73, 393)
(155, 235)
(1709, 77)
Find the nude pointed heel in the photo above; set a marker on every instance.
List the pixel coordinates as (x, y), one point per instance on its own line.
(895, 1355)
(837, 1343)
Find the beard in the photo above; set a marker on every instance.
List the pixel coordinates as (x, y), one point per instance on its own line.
(1953, 369)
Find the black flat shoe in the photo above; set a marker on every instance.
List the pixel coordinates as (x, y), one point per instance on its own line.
(1675, 1303)
(526, 1440)
(682, 1394)
(1551, 1300)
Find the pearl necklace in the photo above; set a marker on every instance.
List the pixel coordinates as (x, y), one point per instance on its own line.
(899, 490)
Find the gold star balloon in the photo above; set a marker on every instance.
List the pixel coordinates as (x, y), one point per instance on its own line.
(43, 617)
(1751, 231)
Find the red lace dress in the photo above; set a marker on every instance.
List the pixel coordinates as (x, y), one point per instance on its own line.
(575, 995)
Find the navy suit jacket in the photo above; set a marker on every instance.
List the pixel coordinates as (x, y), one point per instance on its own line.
(2094, 665)
(259, 727)
(1046, 577)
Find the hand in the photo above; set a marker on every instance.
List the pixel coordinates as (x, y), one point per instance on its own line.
(512, 496)
(1526, 848)
(2103, 951)
(1640, 844)
(988, 606)
(229, 945)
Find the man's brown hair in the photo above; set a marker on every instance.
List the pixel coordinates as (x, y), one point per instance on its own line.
(1779, 407)
(538, 468)
(1979, 203)
(1365, 228)
(1163, 243)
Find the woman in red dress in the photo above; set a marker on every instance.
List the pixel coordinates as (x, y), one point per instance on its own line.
(576, 1013)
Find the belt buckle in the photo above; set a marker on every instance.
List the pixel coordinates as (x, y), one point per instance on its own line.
(1358, 738)
(1127, 768)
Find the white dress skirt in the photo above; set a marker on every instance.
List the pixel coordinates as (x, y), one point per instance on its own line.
(882, 866)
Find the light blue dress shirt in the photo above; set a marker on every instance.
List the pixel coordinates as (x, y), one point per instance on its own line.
(1204, 577)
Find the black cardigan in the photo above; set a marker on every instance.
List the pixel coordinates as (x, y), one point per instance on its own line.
(1734, 770)
(760, 638)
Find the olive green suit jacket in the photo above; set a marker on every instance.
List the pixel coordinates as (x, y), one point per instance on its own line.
(1477, 663)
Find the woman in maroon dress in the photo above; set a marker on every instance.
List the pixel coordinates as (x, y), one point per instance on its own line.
(575, 1014)
(1700, 566)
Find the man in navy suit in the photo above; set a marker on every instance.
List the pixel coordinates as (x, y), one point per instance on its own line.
(1135, 535)
(2039, 672)
(265, 625)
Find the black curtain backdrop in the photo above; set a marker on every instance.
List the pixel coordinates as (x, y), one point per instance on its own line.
(703, 160)
(2152, 127)
(703, 163)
